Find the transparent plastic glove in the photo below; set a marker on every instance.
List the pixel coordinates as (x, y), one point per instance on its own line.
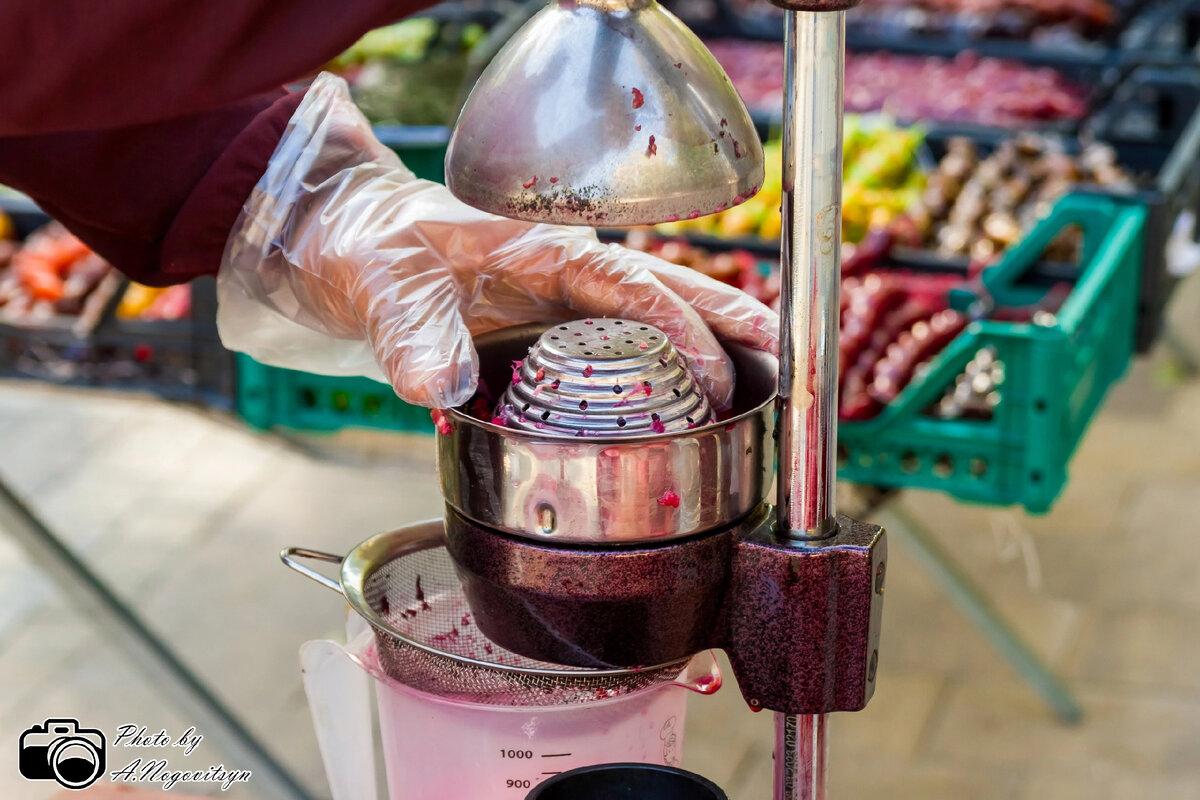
(343, 263)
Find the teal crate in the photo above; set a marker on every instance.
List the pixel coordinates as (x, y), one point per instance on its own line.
(1056, 375)
(270, 397)
(421, 148)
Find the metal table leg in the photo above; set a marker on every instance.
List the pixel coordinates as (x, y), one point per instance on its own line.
(971, 601)
(122, 626)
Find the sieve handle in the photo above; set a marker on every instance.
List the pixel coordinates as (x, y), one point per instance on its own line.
(290, 556)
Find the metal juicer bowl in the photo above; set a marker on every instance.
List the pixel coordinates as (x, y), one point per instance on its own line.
(613, 490)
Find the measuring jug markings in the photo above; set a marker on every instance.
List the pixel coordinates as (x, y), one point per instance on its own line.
(494, 755)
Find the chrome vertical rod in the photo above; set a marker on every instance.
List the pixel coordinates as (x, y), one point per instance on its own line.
(811, 276)
(800, 753)
(814, 64)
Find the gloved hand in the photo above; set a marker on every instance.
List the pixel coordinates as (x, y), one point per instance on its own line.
(342, 262)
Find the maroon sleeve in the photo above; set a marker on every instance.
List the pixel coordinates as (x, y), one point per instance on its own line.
(148, 137)
(72, 65)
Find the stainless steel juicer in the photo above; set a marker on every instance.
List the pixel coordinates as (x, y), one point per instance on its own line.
(799, 589)
(599, 513)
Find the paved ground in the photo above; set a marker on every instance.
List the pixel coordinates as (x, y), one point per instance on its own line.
(184, 514)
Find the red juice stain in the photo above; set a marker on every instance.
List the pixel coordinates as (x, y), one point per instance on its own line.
(587, 371)
(530, 183)
(737, 153)
(554, 180)
(384, 606)
(737, 201)
(647, 388)
(678, 65)
(708, 684)
(652, 149)
(719, 209)
(587, 322)
(669, 498)
(673, 218)
(724, 122)
(424, 606)
(516, 372)
(695, 214)
(541, 374)
(440, 422)
(756, 709)
(638, 98)
(637, 127)
(658, 427)
(500, 420)
(420, 595)
(555, 384)
(487, 648)
(466, 620)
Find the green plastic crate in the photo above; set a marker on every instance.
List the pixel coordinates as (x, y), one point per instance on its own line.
(422, 149)
(269, 397)
(1056, 375)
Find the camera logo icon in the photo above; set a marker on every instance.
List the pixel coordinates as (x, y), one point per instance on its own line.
(60, 750)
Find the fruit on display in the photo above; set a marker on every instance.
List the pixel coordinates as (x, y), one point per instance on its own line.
(963, 89)
(410, 73)
(978, 205)
(894, 321)
(881, 180)
(155, 303)
(757, 277)
(1050, 21)
(51, 273)
(1083, 19)
(976, 392)
(892, 324)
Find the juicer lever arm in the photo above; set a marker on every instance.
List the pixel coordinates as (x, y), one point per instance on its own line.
(289, 556)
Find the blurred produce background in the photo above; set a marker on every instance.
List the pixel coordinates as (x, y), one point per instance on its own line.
(411, 73)
(973, 120)
(966, 88)
(1019, 180)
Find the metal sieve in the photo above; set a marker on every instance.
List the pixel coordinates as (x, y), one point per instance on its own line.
(603, 377)
(405, 585)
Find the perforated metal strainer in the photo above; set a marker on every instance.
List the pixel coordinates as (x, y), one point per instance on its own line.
(603, 377)
(404, 584)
